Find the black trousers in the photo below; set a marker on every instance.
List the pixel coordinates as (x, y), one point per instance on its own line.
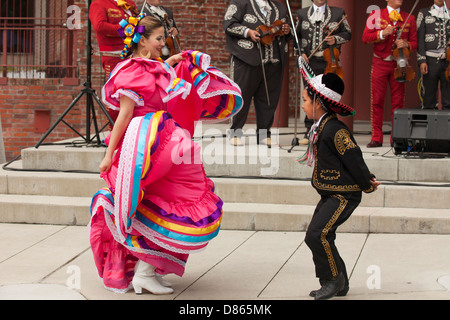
(436, 75)
(331, 212)
(251, 81)
(318, 65)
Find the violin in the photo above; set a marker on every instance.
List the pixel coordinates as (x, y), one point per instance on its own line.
(172, 42)
(268, 33)
(403, 72)
(331, 56)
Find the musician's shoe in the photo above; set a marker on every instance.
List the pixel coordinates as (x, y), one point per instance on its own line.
(236, 141)
(303, 142)
(331, 288)
(267, 141)
(374, 144)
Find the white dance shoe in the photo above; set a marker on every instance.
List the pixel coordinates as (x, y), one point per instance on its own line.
(146, 278)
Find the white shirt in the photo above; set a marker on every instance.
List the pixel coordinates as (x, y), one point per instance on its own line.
(439, 12)
(390, 9)
(264, 6)
(318, 14)
(321, 9)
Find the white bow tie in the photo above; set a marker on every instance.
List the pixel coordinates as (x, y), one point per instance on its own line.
(264, 5)
(160, 12)
(438, 13)
(317, 16)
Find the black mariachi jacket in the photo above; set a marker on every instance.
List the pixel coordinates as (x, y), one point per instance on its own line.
(339, 166)
(243, 14)
(432, 33)
(310, 34)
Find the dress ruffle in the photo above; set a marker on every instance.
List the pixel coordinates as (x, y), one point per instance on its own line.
(140, 79)
(214, 96)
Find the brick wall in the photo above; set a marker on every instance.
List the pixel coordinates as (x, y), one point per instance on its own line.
(200, 22)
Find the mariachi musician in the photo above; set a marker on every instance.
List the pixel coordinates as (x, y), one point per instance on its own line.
(256, 67)
(165, 15)
(105, 16)
(314, 24)
(382, 29)
(433, 35)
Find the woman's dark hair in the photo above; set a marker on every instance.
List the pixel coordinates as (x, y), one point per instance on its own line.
(151, 24)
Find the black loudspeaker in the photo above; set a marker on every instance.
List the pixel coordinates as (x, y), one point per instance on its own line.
(421, 131)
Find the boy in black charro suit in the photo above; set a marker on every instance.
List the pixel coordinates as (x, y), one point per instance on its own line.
(340, 176)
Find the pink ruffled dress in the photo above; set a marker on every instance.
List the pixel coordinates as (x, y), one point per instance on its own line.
(159, 205)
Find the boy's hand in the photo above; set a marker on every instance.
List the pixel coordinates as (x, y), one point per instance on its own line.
(374, 183)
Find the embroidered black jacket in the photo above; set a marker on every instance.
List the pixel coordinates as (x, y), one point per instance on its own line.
(339, 165)
(311, 35)
(432, 34)
(243, 14)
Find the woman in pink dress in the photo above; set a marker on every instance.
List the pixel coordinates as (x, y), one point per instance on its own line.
(159, 205)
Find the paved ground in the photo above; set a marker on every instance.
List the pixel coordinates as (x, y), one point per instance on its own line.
(55, 262)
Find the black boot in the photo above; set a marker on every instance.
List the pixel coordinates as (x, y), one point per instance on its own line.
(314, 292)
(341, 293)
(331, 288)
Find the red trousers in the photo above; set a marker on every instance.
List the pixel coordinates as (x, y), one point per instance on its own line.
(382, 75)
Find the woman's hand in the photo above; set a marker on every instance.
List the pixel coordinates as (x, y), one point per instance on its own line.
(106, 163)
(171, 61)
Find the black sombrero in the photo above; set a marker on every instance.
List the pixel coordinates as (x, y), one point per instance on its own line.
(329, 88)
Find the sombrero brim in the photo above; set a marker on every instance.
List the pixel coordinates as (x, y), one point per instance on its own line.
(329, 97)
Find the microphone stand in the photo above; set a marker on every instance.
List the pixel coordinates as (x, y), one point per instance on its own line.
(295, 141)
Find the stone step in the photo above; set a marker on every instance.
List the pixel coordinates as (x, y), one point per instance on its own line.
(255, 190)
(39, 209)
(55, 210)
(282, 217)
(221, 159)
(262, 189)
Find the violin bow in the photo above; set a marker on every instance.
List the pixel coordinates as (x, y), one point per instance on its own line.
(143, 6)
(295, 140)
(329, 33)
(293, 26)
(404, 24)
(264, 72)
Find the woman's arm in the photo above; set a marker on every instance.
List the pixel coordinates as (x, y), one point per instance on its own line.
(120, 126)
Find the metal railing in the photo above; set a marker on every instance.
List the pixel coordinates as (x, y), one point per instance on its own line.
(34, 40)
